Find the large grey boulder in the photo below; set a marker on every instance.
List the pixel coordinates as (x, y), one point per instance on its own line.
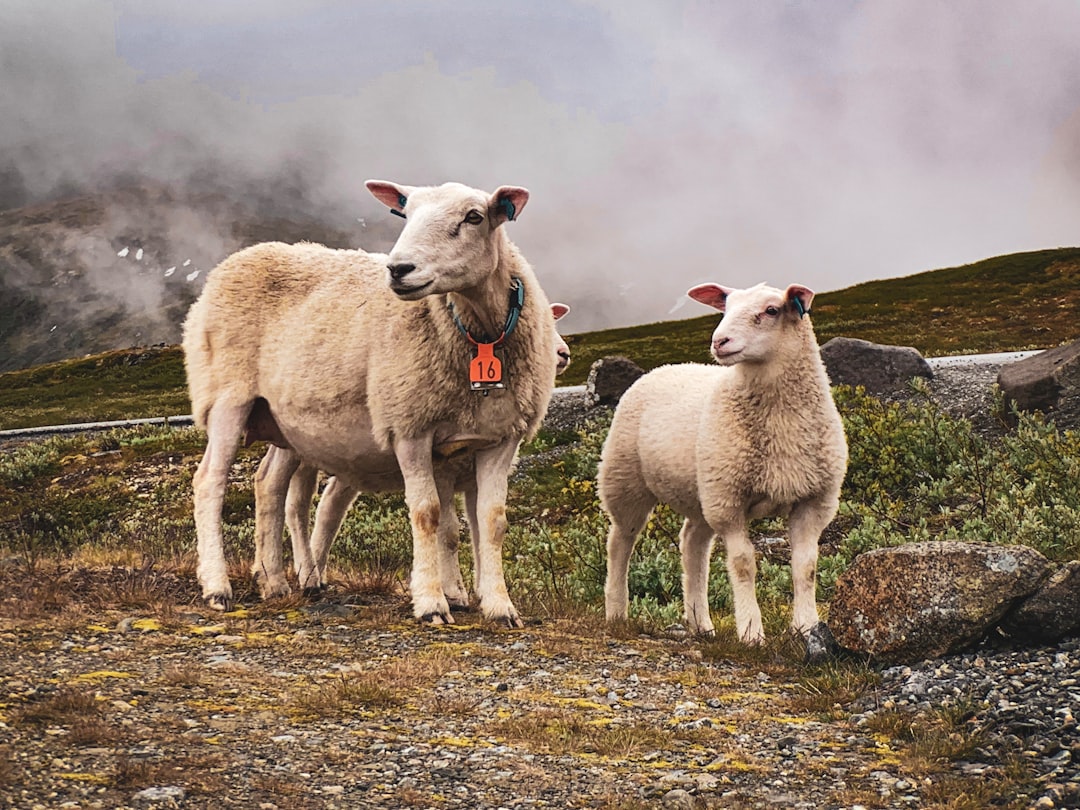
(609, 377)
(924, 600)
(1051, 613)
(1048, 382)
(878, 368)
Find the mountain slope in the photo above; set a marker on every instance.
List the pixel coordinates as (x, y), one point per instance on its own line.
(118, 269)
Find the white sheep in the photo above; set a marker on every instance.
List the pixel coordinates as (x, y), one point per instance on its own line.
(376, 369)
(757, 436)
(311, 548)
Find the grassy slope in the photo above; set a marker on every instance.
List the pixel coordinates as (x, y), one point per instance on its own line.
(1019, 301)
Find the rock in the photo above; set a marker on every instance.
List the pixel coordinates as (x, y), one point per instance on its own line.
(678, 799)
(924, 600)
(879, 369)
(1048, 382)
(609, 377)
(820, 644)
(168, 796)
(1052, 612)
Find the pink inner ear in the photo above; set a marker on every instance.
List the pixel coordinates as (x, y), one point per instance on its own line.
(712, 295)
(558, 310)
(388, 194)
(804, 294)
(515, 196)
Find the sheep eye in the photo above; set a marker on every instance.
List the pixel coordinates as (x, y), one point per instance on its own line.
(474, 218)
(773, 311)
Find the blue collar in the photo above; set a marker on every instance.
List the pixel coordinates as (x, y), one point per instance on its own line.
(517, 301)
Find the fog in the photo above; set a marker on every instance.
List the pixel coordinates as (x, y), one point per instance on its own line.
(665, 144)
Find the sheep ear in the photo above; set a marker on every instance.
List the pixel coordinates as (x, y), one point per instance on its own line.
(391, 195)
(711, 295)
(800, 298)
(507, 203)
(558, 310)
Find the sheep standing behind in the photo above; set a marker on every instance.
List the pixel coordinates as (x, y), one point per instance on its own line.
(757, 436)
(359, 364)
(311, 547)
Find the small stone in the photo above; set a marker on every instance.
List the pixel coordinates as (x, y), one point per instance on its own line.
(678, 799)
(169, 794)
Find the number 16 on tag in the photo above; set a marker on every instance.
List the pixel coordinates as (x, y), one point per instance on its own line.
(485, 370)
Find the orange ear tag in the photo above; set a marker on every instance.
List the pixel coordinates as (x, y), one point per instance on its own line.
(485, 370)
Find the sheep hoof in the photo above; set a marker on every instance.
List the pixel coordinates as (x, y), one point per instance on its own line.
(313, 591)
(437, 619)
(513, 621)
(218, 601)
(457, 602)
(276, 590)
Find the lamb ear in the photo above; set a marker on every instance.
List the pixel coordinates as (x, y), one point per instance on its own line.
(507, 203)
(711, 295)
(800, 298)
(391, 195)
(558, 310)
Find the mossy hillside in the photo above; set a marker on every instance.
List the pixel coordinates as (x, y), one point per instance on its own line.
(1020, 301)
(1006, 303)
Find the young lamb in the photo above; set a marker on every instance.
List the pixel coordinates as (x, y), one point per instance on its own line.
(311, 549)
(378, 369)
(759, 435)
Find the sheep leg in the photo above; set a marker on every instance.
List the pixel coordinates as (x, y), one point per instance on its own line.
(298, 520)
(805, 525)
(336, 500)
(474, 533)
(271, 491)
(225, 424)
(628, 512)
(695, 546)
(425, 510)
(492, 470)
(457, 595)
(742, 571)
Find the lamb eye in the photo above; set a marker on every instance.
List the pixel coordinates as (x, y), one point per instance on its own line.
(773, 311)
(474, 217)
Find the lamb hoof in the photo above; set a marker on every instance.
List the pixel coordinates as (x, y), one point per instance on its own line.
(218, 601)
(437, 619)
(313, 591)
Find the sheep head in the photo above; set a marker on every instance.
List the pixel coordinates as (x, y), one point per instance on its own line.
(452, 235)
(755, 320)
(562, 350)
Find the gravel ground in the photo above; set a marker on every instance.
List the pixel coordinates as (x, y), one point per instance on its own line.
(352, 705)
(348, 703)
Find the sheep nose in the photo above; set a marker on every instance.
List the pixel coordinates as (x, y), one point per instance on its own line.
(719, 343)
(399, 271)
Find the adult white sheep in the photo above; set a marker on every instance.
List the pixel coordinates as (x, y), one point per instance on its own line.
(311, 548)
(757, 436)
(362, 364)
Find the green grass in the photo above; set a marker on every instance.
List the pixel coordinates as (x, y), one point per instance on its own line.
(127, 384)
(1019, 301)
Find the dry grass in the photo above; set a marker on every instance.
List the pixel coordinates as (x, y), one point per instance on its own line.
(64, 707)
(343, 695)
(562, 732)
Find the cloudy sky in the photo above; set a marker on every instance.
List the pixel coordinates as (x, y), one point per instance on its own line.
(665, 143)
